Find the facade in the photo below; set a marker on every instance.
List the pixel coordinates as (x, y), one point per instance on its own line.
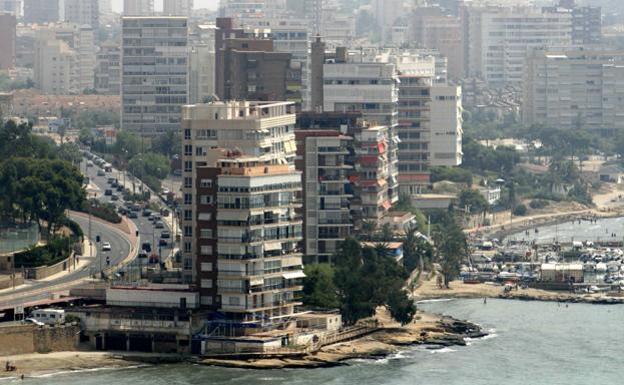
(138, 8)
(498, 38)
(446, 126)
(372, 89)
(202, 59)
(574, 89)
(431, 28)
(108, 70)
(64, 58)
(586, 21)
(154, 73)
(11, 6)
(178, 7)
(241, 231)
(41, 11)
(247, 67)
(83, 12)
(7, 40)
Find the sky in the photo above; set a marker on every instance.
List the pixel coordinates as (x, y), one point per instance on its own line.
(212, 4)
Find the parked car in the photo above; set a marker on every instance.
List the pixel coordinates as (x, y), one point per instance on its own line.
(132, 215)
(108, 192)
(110, 180)
(147, 247)
(165, 234)
(114, 197)
(106, 246)
(159, 225)
(101, 173)
(162, 242)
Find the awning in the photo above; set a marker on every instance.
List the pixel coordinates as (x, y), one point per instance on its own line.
(271, 246)
(294, 275)
(256, 281)
(233, 215)
(204, 216)
(386, 205)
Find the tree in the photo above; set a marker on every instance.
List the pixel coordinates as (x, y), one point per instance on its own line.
(168, 144)
(473, 200)
(451, 247)
(416, 250)
(319, 290)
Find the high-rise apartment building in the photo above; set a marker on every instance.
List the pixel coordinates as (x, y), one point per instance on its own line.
(325, 156)
(64, 60)
(41, 11)
(586, 21)
(11, 6)
(202, 58)
(82, 12)
(241, 230)
(372, 89)
(154, 82)
(446, 126)
(431, 28)
(7, 40)
(247, 68)
(108, 69)
(574, 89)
(138, 8)
(497, 39)
(177, 7)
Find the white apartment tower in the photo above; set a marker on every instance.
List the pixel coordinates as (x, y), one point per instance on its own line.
(241, 229)
(83, 12)
(154, 73)
(372, 89)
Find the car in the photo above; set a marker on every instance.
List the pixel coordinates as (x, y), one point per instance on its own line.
(147, 212)
(108, 192)
(154, 217)
(101, 173)
(33, 321)
(122, 210)
(114, 197)
(89, 164)
(120, 188)
(106, 246)
(147, 247)
(135, 207)
(165, 212)
(165, 234)
(162, 242)
(115, 183)
(159, 225)
(110, 180)
(132, 215)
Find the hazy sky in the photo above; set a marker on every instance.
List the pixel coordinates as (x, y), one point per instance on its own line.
(118, 4)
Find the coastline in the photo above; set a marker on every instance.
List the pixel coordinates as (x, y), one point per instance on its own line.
(429, 290)
(432, 330)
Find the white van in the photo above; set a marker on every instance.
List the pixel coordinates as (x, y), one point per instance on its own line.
(49, 316)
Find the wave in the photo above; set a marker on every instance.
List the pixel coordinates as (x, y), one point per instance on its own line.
(443, 350)
(61, 372)
(435, 300)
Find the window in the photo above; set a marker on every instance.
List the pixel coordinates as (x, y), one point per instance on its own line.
(235, 301)
(205, 233)
(205, 183)
(206, 250)
(205, 199)
(187, 134)
(188, 199)
(188, 182)
(188, 166)
(206, 283)
(205, 300)
(188, 231)
(188, 150)
(187, 247)
(206, 266)
(188, 215)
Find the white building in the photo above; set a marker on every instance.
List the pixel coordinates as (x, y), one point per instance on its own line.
(108, 70)
(202, 63)
(498, 38)
(154, 73)
(371, 88)
(446, 126)
(574, 89)
(64, 59)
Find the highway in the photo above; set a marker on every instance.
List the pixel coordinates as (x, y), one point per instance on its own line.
(33, 291)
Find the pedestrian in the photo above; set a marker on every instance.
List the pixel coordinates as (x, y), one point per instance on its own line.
(485, 300)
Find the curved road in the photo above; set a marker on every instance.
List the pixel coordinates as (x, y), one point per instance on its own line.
(39, 290)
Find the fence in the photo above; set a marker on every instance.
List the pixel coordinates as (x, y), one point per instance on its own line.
(18, 238)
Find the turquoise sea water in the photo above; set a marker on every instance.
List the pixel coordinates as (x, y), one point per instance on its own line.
(535, 343)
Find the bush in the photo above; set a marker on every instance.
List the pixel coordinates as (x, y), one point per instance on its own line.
(538, 204)
(74, 228)
(520, 210)
(453, 174)
(57, 249)
(106, 212)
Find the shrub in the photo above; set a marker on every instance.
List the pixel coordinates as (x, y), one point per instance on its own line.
(106, 212)
(57, 249)
(538, 204)
(520, 210)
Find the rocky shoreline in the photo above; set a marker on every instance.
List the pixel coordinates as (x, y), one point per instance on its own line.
(433, 331)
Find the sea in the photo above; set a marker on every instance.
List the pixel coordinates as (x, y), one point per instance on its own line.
(529, 343)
